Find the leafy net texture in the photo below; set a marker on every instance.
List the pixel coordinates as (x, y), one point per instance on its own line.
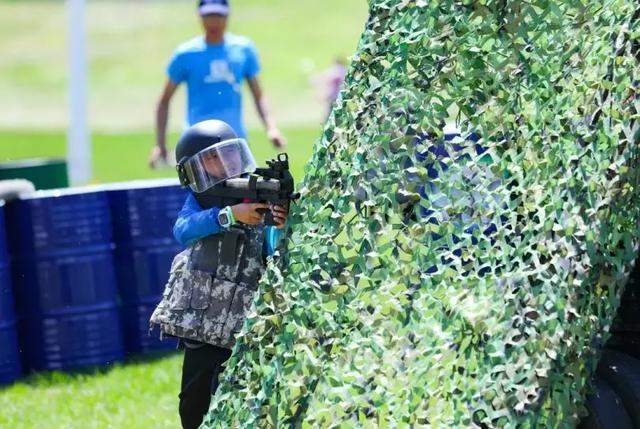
(454, 282)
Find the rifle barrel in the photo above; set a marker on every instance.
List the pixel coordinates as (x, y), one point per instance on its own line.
(267, 185)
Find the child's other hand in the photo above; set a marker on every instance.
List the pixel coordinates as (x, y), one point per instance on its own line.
(279, 214)
(248, 214)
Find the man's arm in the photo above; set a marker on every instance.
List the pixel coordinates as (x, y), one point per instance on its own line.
(159, 151)
(263, 111)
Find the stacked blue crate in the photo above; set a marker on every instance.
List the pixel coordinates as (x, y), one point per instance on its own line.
(10, 368)
(143, 215)
(64, 281)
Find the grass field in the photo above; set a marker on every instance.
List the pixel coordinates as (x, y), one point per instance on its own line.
(129, 43)
(141, 394)
(123, 156)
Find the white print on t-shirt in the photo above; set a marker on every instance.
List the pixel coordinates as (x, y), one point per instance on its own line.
(219, 71)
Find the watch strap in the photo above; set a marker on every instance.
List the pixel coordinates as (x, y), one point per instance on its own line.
(231, 216)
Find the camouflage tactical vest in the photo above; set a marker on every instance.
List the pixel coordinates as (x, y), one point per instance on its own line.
(211, 286)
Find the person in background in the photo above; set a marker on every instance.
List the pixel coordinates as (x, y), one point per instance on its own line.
(214, 67)
(330, 83)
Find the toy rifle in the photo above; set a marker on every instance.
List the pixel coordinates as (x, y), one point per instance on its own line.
(273, 185)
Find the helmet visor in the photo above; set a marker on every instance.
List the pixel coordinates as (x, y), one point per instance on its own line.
(217, 163)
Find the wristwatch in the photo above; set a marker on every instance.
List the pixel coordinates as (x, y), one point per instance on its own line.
(225, 217)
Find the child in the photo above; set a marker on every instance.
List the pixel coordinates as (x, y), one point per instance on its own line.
(212, 283)
(329, 83)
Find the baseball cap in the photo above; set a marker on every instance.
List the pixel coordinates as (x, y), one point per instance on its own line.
(209, 7)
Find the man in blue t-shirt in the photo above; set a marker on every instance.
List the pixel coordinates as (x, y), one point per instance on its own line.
(213, 66)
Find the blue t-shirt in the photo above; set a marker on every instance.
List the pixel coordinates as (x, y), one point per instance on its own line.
(214, 75)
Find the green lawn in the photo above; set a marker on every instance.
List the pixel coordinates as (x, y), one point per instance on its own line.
(120, 157)
(141, 394)
(130, 43)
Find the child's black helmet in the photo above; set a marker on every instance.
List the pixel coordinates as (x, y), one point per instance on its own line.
(202, 135)
(209, 153)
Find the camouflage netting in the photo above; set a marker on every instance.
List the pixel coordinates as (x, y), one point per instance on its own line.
(447, 282)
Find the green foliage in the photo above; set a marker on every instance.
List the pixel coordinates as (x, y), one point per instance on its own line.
(392, 310)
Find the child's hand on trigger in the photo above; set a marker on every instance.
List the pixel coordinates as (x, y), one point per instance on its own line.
(279, 214)
(248, 214)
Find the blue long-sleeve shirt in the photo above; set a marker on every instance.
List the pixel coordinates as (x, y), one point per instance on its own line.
(194, 223)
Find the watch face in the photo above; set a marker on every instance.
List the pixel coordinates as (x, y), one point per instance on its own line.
(223, 219)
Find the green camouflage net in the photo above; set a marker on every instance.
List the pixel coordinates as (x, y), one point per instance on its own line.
(444, 282)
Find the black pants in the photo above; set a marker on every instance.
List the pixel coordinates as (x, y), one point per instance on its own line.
(202, 365)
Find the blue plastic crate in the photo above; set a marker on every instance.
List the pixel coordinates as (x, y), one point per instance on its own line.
(64, 279)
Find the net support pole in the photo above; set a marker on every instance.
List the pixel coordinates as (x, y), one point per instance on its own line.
(78, 138)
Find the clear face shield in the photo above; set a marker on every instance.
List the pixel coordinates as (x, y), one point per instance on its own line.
(217, 163)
